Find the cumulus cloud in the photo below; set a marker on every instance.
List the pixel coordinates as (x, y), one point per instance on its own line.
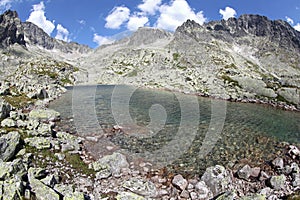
(5, 4)
(297, 27)
(136, 21)
(100, 40)
(62, 33)
(117, 17)
(289, 20)
(227, 13)
(150, 6)
(177, 12)
(37, 16)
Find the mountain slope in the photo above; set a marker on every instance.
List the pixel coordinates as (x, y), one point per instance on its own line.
(250, 57)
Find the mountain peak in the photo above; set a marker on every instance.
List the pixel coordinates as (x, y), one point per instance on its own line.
(10, 29)
(277, 31)
(148, 35)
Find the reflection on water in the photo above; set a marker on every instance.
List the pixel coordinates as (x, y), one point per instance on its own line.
(250, 131)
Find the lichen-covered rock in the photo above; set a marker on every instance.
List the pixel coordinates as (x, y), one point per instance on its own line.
(141, 187)
(129, 196)
(74, 196)
(38, 142)
(111, 163)
(16, 167)
(44, 114)
(227, 196)
(41, 190)
(217, 179)
(278, 182)
(69, 142)
(13, 189)
(8, 145)
(8, 123)
(254, 197)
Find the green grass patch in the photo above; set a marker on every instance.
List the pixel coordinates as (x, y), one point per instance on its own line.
(176, 56)
(19, 101)
(228, 79)
(78, 164)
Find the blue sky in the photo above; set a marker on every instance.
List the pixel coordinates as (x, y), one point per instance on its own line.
(96, 22)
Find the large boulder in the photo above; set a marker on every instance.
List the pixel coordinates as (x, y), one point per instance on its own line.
(217, 178)
(41, 190)
(8, 145)
(44, 114)
(38, 142)
(5, 108)
(110, 165)
(141, 187)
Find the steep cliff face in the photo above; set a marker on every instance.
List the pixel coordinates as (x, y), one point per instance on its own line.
(35, 36)
(11, 31)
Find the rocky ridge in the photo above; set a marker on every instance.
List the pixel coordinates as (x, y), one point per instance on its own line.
(41, 160)
(247, 59)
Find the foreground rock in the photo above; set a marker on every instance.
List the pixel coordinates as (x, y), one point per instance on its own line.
(8, 145)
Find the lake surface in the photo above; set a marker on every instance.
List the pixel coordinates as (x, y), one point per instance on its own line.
(184, 132)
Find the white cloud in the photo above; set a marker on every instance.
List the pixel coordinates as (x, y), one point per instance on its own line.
(117, 17)
(227, 13)
(297, 27)
(289, 20)
(174, 14)
(82, 22)
(62, 33)
(149, 6)
(5, 4)
(136, 21)
(100, 40)
(37, 16)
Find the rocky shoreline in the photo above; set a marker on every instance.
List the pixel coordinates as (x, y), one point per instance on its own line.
(41, 160)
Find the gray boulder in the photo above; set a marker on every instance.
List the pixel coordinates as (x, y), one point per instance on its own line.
(110, 165)
(44, 114)
(41, 190)
(8, 123)
(217, 179)
(38, 142)
(278, 182)
(141, 187)
(5, 108)
(8, 145)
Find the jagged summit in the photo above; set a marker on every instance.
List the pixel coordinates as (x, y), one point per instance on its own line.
(12, 31)
(277, 31)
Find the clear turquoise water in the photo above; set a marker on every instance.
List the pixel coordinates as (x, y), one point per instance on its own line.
(250, 131)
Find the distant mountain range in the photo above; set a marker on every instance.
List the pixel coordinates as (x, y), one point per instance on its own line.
(251, 57)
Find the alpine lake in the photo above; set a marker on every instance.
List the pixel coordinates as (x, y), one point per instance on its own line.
(185, 133)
